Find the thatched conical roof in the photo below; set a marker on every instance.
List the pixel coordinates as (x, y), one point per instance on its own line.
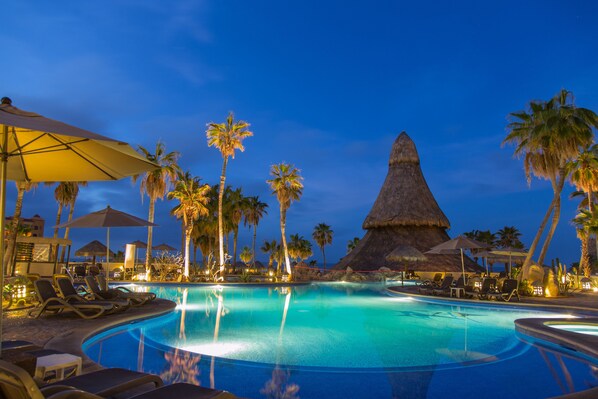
(405, 198)
(405, 218)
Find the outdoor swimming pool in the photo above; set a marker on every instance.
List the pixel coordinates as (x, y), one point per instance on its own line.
(340, 340)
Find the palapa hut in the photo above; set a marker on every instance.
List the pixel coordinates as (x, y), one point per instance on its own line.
(404, 214)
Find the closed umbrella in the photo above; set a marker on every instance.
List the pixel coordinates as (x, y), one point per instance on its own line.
(455, 245)
(36, 149)
(108, 218)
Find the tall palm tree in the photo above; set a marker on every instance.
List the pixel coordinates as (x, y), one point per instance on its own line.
(22, 187)
(227, 137)
(548, 136)
(322, 235)
(193, 199)
(236, 208)
(156, 184)
(62, 196)
(254, 212)
(351, 244)
(287, 186)
(508, 236)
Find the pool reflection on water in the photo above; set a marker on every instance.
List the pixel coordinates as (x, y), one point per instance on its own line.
(339, 340)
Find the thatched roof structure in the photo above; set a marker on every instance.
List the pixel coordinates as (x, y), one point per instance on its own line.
(404, 214)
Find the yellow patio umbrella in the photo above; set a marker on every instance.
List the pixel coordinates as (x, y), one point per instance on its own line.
(36, 149)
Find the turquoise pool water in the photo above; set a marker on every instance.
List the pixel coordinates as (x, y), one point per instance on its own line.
(336, 340)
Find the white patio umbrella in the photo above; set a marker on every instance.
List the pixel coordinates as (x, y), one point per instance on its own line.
(511, 253)
(37, 149)
(457, 244)
(107, 218)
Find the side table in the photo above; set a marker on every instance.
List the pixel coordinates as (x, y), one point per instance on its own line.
(60, 364)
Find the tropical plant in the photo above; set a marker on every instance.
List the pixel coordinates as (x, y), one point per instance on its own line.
(227, 137)
(287, 186)
(156, 184)
(270, 248)
(548, 135)
(351, 244)
(299, 248)
(22, 187)
(508, 237)
(584, 176)
(235, 208)
(72, 192)
(192, 197)
(246, 255)
(586, 223)
(254, 211)
(322, 235)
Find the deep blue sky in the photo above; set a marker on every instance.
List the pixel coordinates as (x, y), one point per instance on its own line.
(326, 85)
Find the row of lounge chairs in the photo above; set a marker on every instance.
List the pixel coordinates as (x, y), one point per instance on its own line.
(90, 302)
(16, 383)
(488, 290)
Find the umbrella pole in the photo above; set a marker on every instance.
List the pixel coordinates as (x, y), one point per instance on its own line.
(107, 257)
(463, 268)
(3, 165)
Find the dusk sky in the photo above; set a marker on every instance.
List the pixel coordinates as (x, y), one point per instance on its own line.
(326, 86)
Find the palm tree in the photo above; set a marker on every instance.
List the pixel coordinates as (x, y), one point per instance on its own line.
(254, 211)
(286, 185)
(246, 256)
(548, 136)
(586, 223)
(236, 207)
(227, 137)
(270, 247)
(193, 198)
(351, 244)
(22, 187)
(73, 193)
(322, 235)
(156, 185)
(508, 237)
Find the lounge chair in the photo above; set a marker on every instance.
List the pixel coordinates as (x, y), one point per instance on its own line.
(427, 286)
(70, 294)
(50, 302)
(509, 289)
(111, 294)
(445, 287)
(16, 383)
(488, 288)
(149, 296)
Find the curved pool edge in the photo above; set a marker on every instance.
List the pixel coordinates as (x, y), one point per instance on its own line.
(72, 341)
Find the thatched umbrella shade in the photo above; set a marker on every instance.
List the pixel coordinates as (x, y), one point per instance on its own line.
(407, 254)
(139, 244)
(458, 244)
(94, 248)
(164, 247)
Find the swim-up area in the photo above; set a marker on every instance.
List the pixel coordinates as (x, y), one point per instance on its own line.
(341, 340)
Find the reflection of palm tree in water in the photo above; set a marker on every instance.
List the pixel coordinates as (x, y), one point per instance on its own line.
(278, 387)
(182, 365)
(220, 311)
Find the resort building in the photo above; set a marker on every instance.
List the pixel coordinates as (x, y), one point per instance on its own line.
(35, 224)
(405, 220)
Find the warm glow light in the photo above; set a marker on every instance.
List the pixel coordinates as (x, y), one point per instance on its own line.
(402, 299)
(190, 306)
(216, 348)
(595, 289)
(547, 292)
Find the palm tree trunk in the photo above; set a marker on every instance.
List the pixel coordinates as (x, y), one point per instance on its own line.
(235, 237)
(584, 261)
(558, 189)
(10, 245)
(187, 241)
(283, 216)
(150, 231)
(253, 245)
(58, 217)
(182, 237)
(220, 228)
(67, 229)
(532, 248)
(324, 256)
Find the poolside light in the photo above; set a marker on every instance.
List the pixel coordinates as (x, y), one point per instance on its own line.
(538, 288)
(586, 284)
(20, 291)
